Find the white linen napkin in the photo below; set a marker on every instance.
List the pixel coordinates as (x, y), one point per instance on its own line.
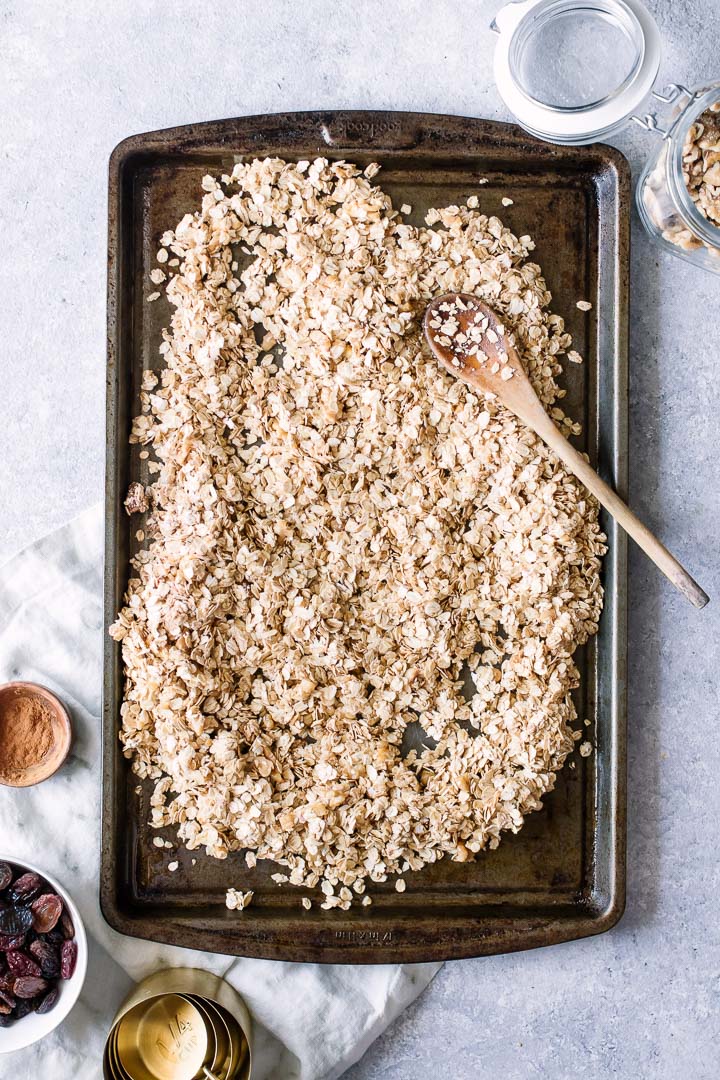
(311, 1021)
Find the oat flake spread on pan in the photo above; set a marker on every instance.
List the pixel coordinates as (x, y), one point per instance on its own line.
(332, 540)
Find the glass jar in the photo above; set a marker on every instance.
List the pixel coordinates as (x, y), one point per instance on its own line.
(575, 71)
(678, 194)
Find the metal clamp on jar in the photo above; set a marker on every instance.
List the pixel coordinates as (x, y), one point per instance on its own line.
(575, 71)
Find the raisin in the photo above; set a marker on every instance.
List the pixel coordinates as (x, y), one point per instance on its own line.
(29, 986)
(48, 958)
(56, 936)
(48, 1001)
(66, 925)
(68, 959)
(26, 888)
(21, 964)
(5, 875)
(5, 1010)
(5, 1021)
(7, 999)
(23, 1007)
(46, 910)
(15, 920)
(7, 982)
(7, 943)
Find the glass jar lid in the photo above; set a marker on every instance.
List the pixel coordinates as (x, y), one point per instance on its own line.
(572, 71)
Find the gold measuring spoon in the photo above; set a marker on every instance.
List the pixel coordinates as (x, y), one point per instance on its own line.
(238, 1066)
(115, 1063)
(216, 1068)
(165, 1038)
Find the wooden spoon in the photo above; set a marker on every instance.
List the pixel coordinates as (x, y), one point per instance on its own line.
(470, 341)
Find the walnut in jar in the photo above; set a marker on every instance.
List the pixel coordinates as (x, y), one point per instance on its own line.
(679, 192)
(701, 163)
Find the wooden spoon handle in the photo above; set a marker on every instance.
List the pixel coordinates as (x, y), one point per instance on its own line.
(612, 502)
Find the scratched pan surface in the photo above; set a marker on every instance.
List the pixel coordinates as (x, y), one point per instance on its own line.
(563, 875)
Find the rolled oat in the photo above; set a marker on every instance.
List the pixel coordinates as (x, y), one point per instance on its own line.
(339, 529)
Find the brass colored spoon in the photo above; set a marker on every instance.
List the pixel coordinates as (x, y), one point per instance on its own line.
(165, 1038)
(237, 1062)
(220, 1040)
(470, 341)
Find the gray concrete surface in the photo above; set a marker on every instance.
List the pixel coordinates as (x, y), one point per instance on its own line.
(75, 78)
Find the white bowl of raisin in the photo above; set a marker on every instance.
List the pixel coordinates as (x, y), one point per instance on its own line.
(43, 953)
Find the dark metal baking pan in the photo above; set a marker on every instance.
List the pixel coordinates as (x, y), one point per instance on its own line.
(563, 875)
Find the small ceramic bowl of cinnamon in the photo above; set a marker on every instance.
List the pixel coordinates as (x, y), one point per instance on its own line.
(35, 734)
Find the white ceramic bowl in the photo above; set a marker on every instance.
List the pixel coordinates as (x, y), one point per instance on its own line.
(33, 1027)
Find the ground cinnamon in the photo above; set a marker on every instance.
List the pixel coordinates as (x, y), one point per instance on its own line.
(26, 734)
